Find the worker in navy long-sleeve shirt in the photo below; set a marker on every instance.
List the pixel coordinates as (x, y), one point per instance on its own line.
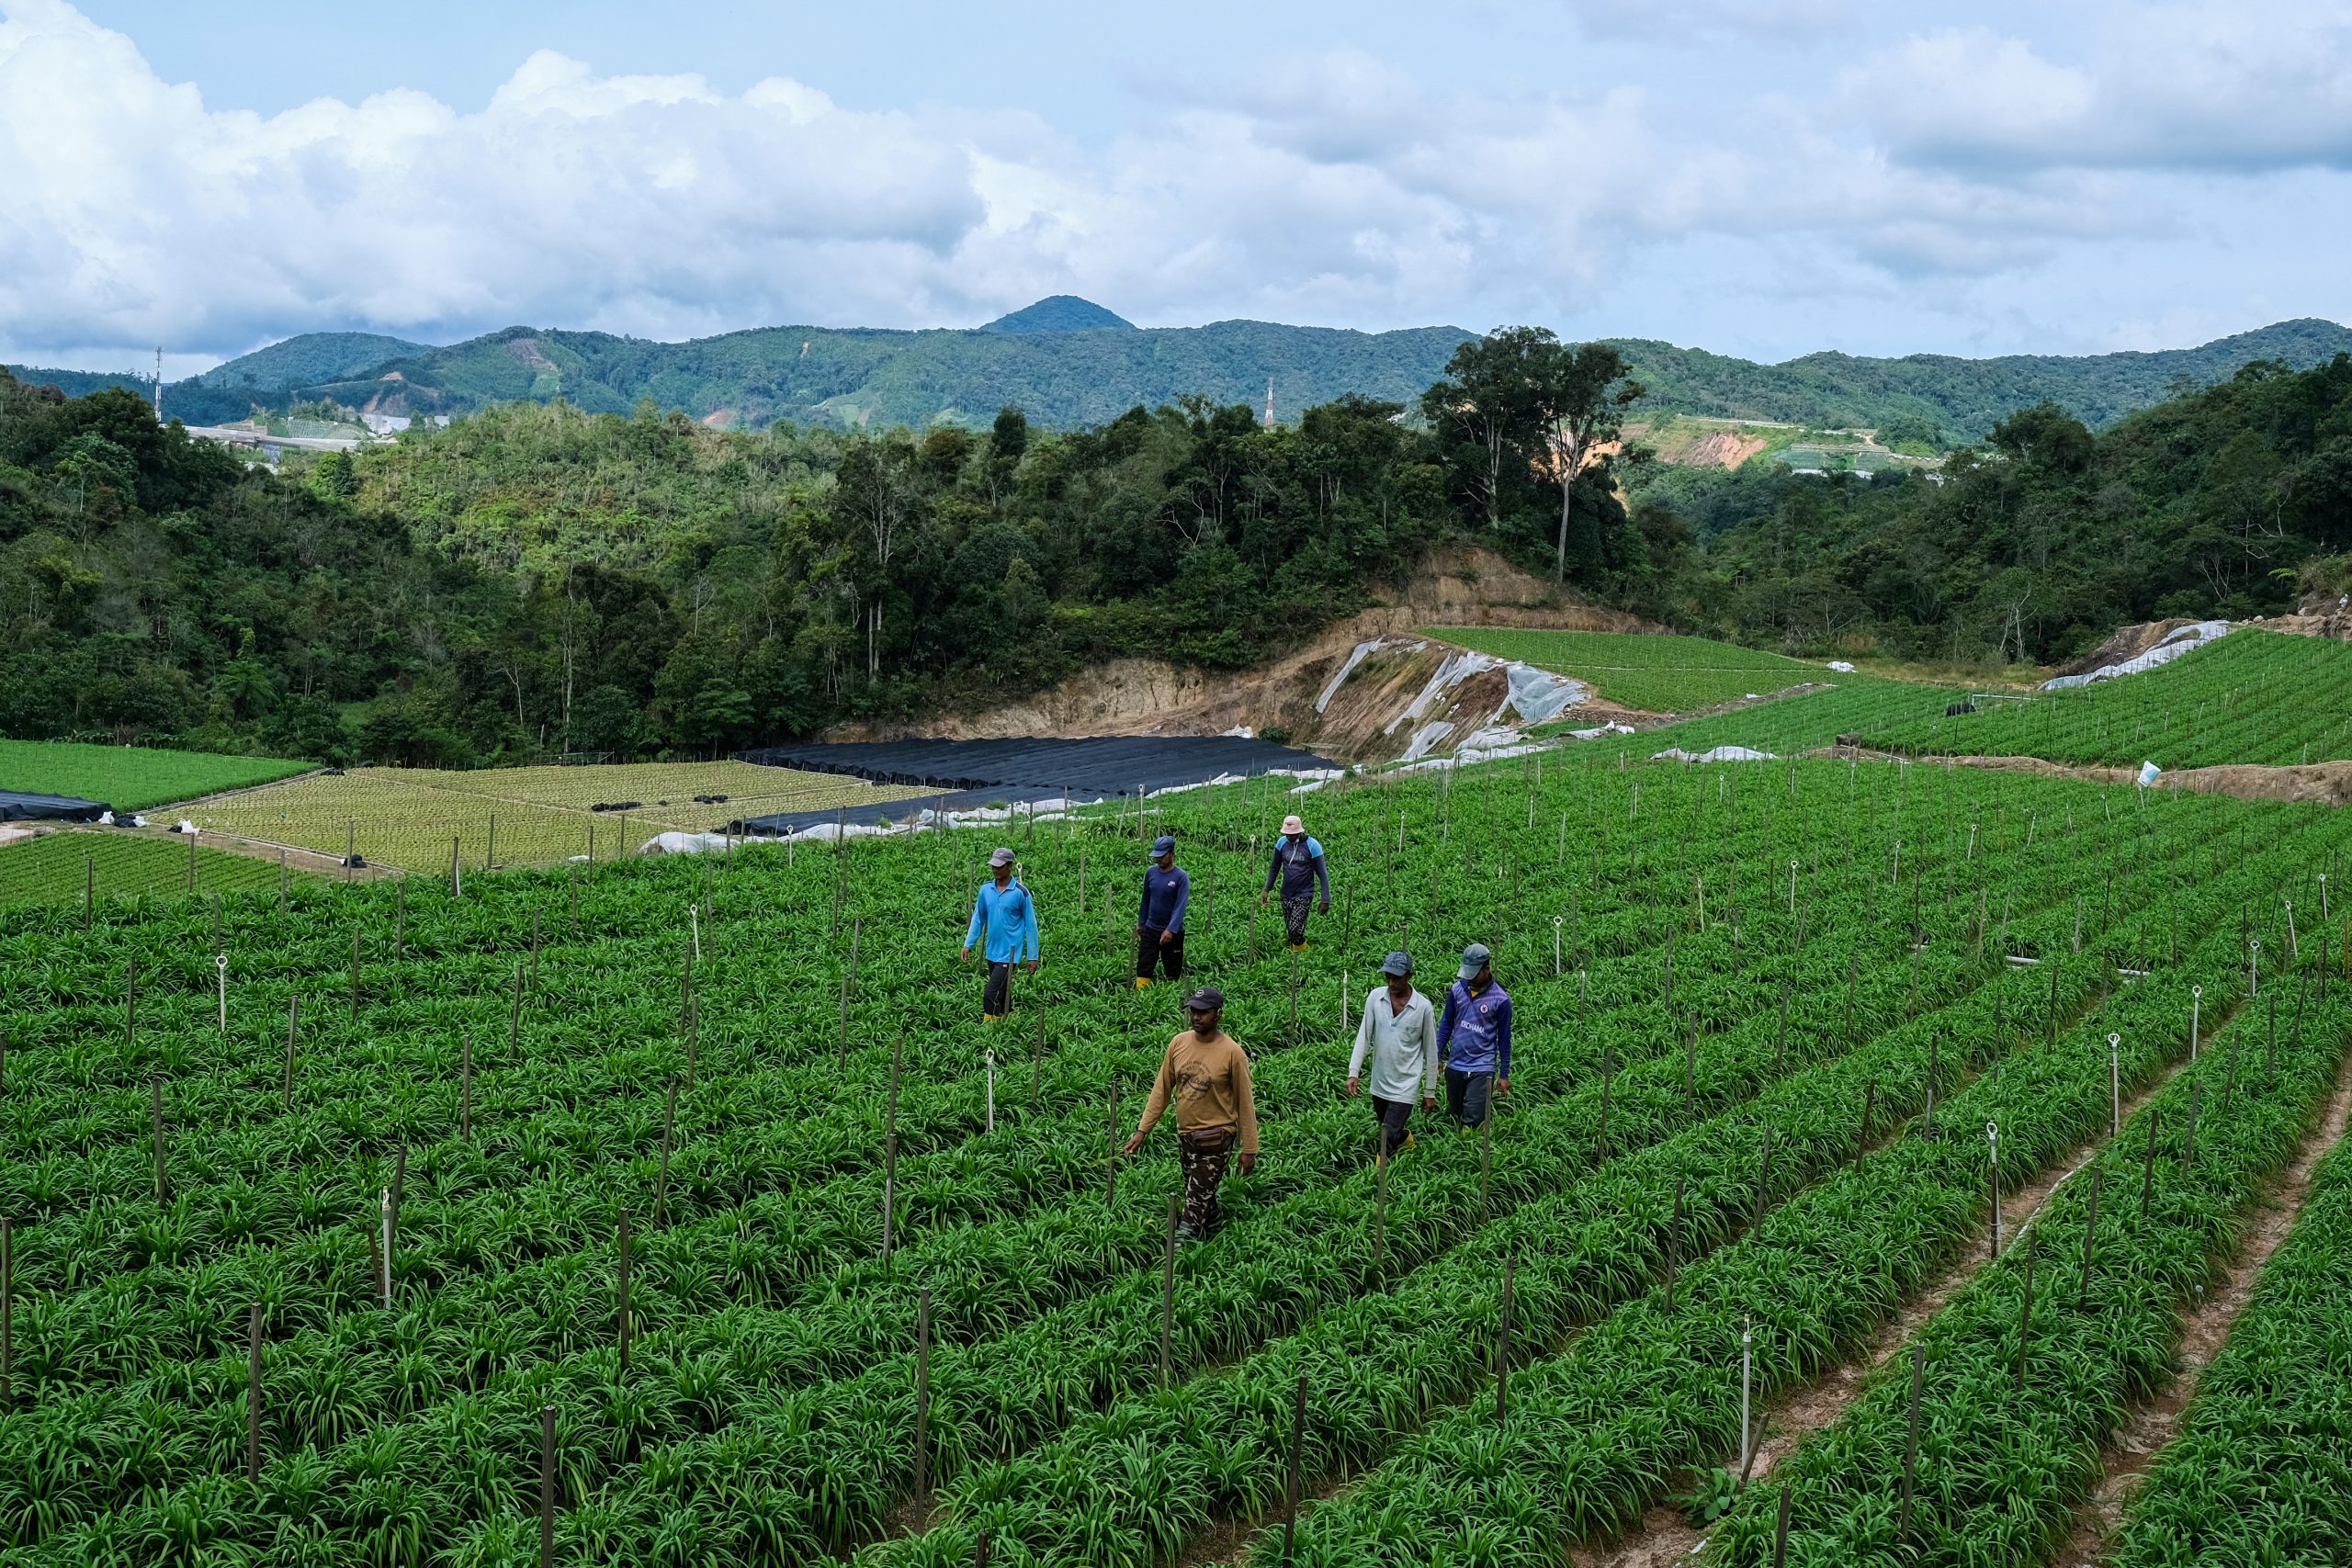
(1007, 915)
(1159, 918)
(1474, 1037)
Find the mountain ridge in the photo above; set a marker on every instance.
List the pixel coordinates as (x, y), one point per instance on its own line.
(1068, 362)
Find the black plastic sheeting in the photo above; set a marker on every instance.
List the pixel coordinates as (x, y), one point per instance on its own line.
(970, 775)
(16, 807)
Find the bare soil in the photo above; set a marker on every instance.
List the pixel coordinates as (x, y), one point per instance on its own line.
(2320, 784)
(1154, 696)
(2127, 1456)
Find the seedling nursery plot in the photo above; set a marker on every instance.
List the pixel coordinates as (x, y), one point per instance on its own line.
(687, 1210)
(415, 818)
(130, 778)
(1655, 673)
(2250, 697)
(81, 868)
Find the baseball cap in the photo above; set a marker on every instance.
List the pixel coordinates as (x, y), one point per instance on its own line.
(1001, 857)
(1291, 825)
(1395, 963)
(1163, 845)
(1474, 957)
(1208, 998)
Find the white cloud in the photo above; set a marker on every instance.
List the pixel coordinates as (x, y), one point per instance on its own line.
(2243, 88)
(1944, 174)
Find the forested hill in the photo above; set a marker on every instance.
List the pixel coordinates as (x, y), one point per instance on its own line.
(535, 579)
(1069, 363)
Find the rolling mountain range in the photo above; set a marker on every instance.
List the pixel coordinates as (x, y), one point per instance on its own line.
(1069, 362)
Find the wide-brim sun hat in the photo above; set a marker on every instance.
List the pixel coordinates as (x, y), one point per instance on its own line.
(1293, 825)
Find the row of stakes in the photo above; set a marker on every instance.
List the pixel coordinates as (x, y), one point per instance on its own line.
(382, 1241)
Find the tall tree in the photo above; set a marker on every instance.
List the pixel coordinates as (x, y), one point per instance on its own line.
(1580, 396)
(1488, 401)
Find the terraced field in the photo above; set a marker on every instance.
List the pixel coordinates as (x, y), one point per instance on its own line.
(130, 778)
(2252, 696)
(638, 1132)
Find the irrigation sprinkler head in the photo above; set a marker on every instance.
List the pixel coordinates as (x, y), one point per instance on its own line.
(221, 962)
(2197, 992)
(1993, 1136)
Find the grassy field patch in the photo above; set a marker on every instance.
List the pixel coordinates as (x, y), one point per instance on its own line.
(130, 778)
(409, 816)
(1655, 673)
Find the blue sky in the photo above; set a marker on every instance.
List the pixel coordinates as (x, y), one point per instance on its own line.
(1760, 178)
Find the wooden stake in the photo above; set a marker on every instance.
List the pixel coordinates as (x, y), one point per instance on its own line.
(293, 1027)
(922, 1391)
(2091, 1236)
(1862, 1136)
(547, 1486)
(253, 1392)
(1780, 1531)
(8, 1312)
(624, 1288)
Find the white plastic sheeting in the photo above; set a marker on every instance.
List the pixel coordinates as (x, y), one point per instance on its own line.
(1424, 737)
(1611, 727)
(1714, 754)
(2176, 643)
(1457, 668)
(1537, 696)
(1331, 687)
(683, 844)
(1841, 667)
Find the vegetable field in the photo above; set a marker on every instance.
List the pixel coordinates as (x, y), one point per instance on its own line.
(2252, 696)
(130, 778)
(1656, 674)
(409, 816)
(56, 868)
(696, 1193)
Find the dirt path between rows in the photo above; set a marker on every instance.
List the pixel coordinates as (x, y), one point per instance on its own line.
(2320, 784)
(2206, 1328)
(1663, 1537)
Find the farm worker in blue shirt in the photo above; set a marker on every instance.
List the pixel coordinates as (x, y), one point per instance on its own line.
(1159, 919)
(1475, 1038)
(1298, 865)
(1009, 915)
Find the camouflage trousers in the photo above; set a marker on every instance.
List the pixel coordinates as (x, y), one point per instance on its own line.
(1203, 1157)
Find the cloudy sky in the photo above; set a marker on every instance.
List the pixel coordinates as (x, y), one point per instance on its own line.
(1762, 177)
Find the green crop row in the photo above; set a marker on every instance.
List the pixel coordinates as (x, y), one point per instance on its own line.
(2258, 1472)
(130, 778)
(2254, 696)
(1578, 1255)
(2009, 1434)
(61, 868)
(1594, 1435)
(412, 1433)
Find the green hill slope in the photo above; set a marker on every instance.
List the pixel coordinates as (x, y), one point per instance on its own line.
(1069, 362)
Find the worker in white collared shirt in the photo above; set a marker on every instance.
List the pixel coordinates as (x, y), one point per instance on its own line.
(1399, 1032)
